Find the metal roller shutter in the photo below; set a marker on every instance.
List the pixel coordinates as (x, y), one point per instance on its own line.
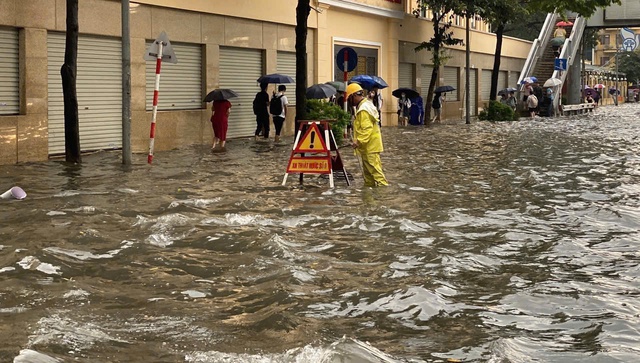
(450, 75)
(406, 75)
(239, 71)
(9, 72)
(485, 90)
(473, 93)
(181, 83)
(287, 66)
(99, 90)
(502, 80)
(426, 71)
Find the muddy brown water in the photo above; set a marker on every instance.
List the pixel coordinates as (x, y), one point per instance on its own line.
(507, 242)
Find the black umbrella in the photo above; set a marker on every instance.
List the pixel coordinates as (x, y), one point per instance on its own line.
(443, 89)
(275, 78)
(319, 91)
(220, 94)
(408, 92)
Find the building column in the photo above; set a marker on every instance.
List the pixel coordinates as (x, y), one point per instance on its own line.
(389, 60)
(32, 129)
(574, 81)
(322, 47)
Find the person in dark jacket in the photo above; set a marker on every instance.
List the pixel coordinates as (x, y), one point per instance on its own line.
(261, 110)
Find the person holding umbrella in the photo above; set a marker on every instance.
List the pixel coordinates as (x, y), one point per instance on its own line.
(367, 138)
(220, 114)
(404, 107)
(436, 104)
(220, 122)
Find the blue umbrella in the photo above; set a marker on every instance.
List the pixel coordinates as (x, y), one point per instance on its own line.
(368, 82)
(275, 78)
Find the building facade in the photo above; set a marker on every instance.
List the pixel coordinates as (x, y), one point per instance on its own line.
(218, 44)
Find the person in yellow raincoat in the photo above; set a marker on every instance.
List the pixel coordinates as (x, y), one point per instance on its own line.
(367, 139)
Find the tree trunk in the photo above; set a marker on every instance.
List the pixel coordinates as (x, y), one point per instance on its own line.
(496, 63)
(432, 87)
(436, 67)
(302, 14)
(68, 72)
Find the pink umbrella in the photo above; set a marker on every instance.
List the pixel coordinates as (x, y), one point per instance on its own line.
(599, 86)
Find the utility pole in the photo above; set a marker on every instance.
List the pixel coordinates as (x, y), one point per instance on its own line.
(126, 85)
(69, 73)
(467, 69)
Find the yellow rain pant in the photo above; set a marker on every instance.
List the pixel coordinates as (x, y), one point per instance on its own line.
(372, 170)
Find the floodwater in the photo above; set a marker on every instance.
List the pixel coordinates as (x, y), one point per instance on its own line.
(506, 242)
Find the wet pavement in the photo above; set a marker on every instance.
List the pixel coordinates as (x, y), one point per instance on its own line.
(496, 242)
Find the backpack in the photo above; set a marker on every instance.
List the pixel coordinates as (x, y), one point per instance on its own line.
(532, 101)
(256, 105)
(275, 106)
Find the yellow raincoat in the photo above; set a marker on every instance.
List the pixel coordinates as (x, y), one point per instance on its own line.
(367, 134)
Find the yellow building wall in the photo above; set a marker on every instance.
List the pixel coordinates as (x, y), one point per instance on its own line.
(23, 137)
(275, 11)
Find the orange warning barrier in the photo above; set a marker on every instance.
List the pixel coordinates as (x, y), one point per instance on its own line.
(312, 152)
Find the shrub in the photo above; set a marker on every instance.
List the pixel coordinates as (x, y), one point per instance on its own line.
(497, 111)
(322, 110)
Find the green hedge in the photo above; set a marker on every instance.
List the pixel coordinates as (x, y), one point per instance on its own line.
(323, 110)
(497, 111)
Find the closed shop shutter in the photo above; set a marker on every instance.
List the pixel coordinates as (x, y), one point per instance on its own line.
(485, 89)
(99, 89)
(513, 79)
(502, 80)
(180, 83)
(9, 72)
(239, 70)
(426, 71)
(473, 80)
(450, 75)
(287, 65)
(406, 76)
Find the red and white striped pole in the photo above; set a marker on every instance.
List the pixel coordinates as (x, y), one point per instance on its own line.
(156, 90)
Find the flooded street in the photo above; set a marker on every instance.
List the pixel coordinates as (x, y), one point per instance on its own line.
(506, 242)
